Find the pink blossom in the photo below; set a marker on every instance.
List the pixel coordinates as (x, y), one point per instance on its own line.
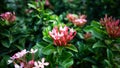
(62, 35)
(80, 22)
(112, 26)
(31, 63)
(77, 20)
(71, 17)
(20, 61)
(10, 17)
(19, 54)
(47, 3)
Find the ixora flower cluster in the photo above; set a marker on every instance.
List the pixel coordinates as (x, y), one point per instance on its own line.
(77, 20)
(62, 35)
(8, 16)
(20, 61)
(112, 26)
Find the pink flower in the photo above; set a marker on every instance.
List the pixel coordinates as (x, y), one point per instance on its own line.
(71, 17)
(80, 22)
(112, 26)
(10, 17)
(62, 35)
(19, 54)
(31, 63)
(20, 60)
(47, 3)
(77, 20)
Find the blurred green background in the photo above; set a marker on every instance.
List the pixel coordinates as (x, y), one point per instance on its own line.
(94, 9)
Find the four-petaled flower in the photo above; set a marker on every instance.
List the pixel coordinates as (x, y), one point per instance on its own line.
(41, 64)
(20, 61)
(62, 35)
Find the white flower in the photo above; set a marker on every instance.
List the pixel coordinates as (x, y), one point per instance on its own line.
(37, 64)
(33, 51)
(16, 66)
(41, 64)
(10, 61)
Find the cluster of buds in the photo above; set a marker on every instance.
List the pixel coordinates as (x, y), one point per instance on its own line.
(112, 26)
(87, 35)
(62, 35)
(77, 20)
(20, 61)
(8, 16)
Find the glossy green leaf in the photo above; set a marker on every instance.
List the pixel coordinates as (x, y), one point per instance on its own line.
(48, 39)
(32, 6)
(48, 50)
(60, 49)
(65, 55)
(4, 62)
(67, 63)
(95, 23)
(5, 43)
(109, 55)
(71, 47)
(89, 59)
(98, 44)
(108, 63)
(80, 46)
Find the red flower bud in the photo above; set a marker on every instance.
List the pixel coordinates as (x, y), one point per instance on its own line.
(10, 17)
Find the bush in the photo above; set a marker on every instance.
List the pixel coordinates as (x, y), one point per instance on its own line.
(67, 33)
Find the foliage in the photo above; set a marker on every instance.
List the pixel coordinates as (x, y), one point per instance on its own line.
(91, 47)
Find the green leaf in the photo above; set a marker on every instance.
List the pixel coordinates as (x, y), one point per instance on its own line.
(65, 55)
(19, 47)
(32, 6)
(39, 45)
(67, 63)
(60, 49)
(5, 43)
(4, 62)
(96, 30)
(48, 49)
(71, 47)
(89, 59)
(48, 39)
(109, 55)
(95, 23)
(80, 35)
(6, 33)
(80, 46)
(108, 63)
(98, 44)
(93, 66)
(22, 41)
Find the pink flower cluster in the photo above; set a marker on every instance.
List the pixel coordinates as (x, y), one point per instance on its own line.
(77, 20)
(112, 26)
(8, 16)
(20, 61)
(62, 35)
